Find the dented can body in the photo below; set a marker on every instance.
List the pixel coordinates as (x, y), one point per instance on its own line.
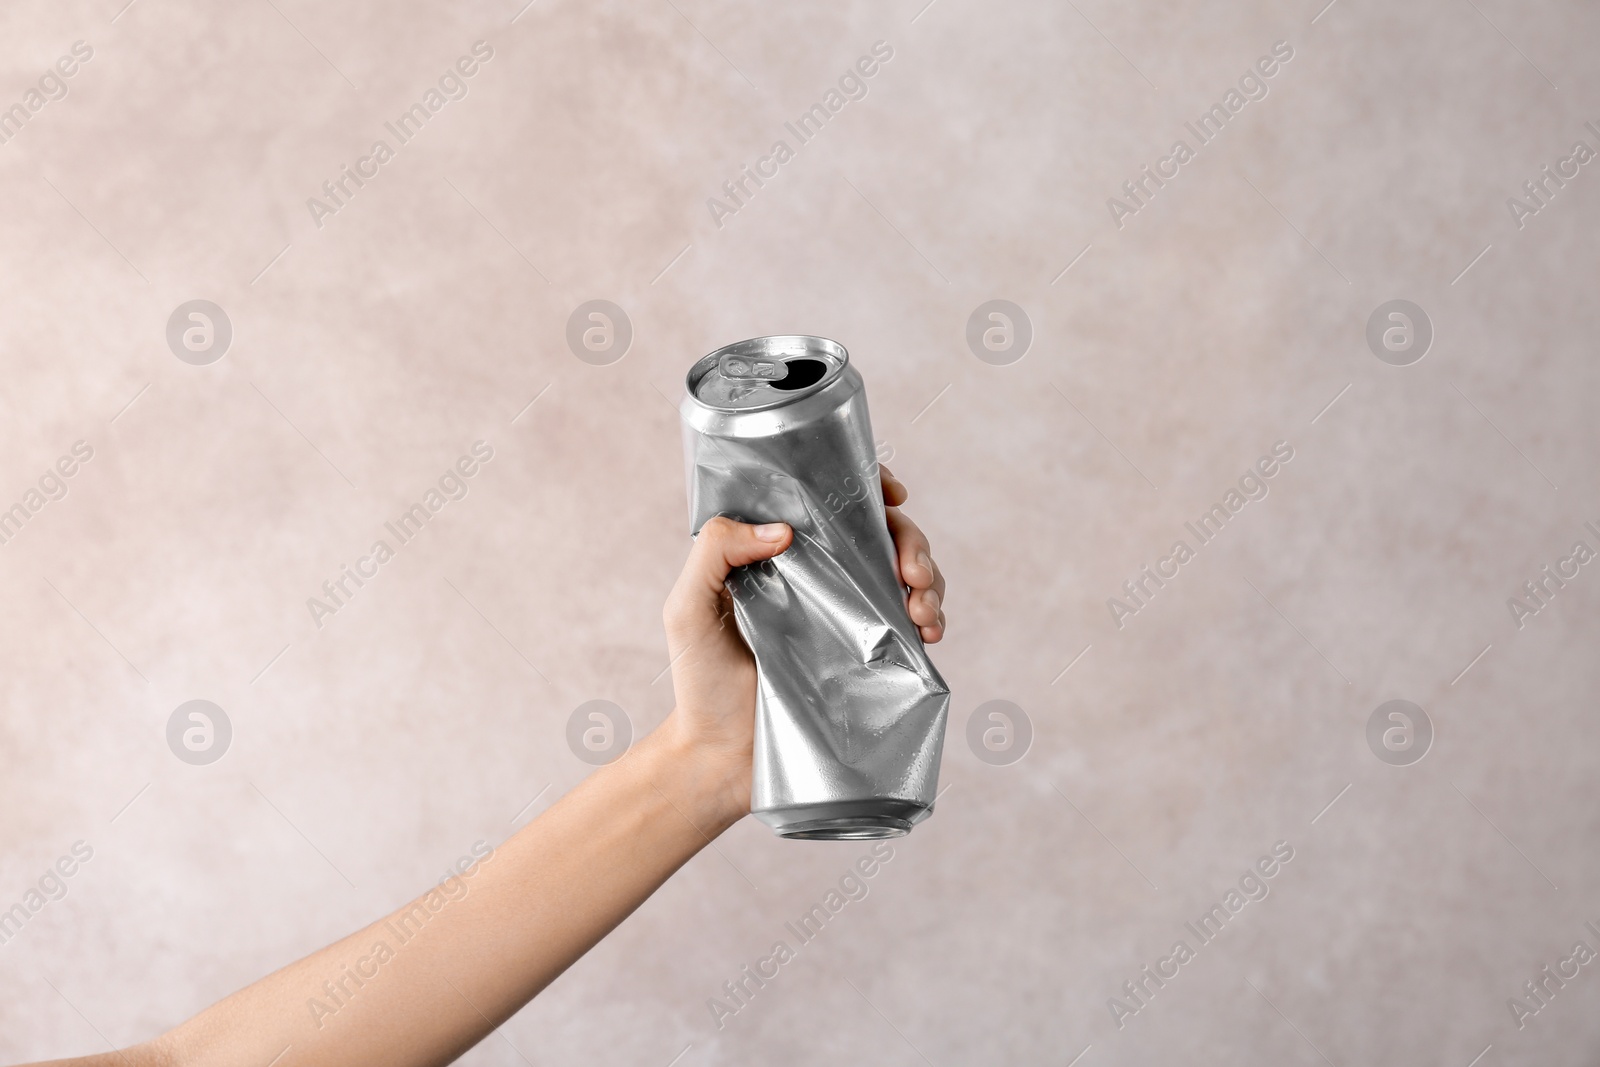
(850, 712)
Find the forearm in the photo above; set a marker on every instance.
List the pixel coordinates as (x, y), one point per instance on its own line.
(426, 983)
(422, 986)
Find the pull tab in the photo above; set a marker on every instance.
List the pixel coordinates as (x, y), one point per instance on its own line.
(752, 368)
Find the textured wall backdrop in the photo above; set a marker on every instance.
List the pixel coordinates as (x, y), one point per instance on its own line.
(1176, 317)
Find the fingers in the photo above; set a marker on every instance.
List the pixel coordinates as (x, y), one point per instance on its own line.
(913, 555)
(894, 490)
(724, 544)
(921, 573)
(924, 607)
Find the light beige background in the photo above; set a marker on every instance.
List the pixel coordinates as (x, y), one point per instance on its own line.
(425, 315)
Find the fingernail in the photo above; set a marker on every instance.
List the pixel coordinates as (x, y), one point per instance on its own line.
(771, 531)
(925, 563)
(932, 600)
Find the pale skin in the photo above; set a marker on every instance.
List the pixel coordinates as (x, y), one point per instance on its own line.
(559, 885)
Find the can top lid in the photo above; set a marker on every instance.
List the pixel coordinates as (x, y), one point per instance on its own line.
(766, 372)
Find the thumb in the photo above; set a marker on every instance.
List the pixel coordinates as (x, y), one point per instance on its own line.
(724, 544)
(695, 605)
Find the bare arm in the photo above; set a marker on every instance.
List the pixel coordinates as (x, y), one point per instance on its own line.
(428, 982)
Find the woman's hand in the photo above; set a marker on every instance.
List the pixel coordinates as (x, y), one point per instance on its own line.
(713, 672)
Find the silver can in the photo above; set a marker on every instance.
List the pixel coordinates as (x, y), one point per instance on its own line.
(850, 712)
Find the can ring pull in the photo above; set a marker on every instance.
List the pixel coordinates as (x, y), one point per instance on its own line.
(752, 368)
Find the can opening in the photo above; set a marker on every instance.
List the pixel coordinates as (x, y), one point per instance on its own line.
(763, 373)
(801, 373)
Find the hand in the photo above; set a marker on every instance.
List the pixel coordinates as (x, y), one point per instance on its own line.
(713, 672)
(915, 560)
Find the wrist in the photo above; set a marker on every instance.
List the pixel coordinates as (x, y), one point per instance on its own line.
(708, 786)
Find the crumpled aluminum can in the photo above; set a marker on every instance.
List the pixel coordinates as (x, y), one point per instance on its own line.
(850, 712)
